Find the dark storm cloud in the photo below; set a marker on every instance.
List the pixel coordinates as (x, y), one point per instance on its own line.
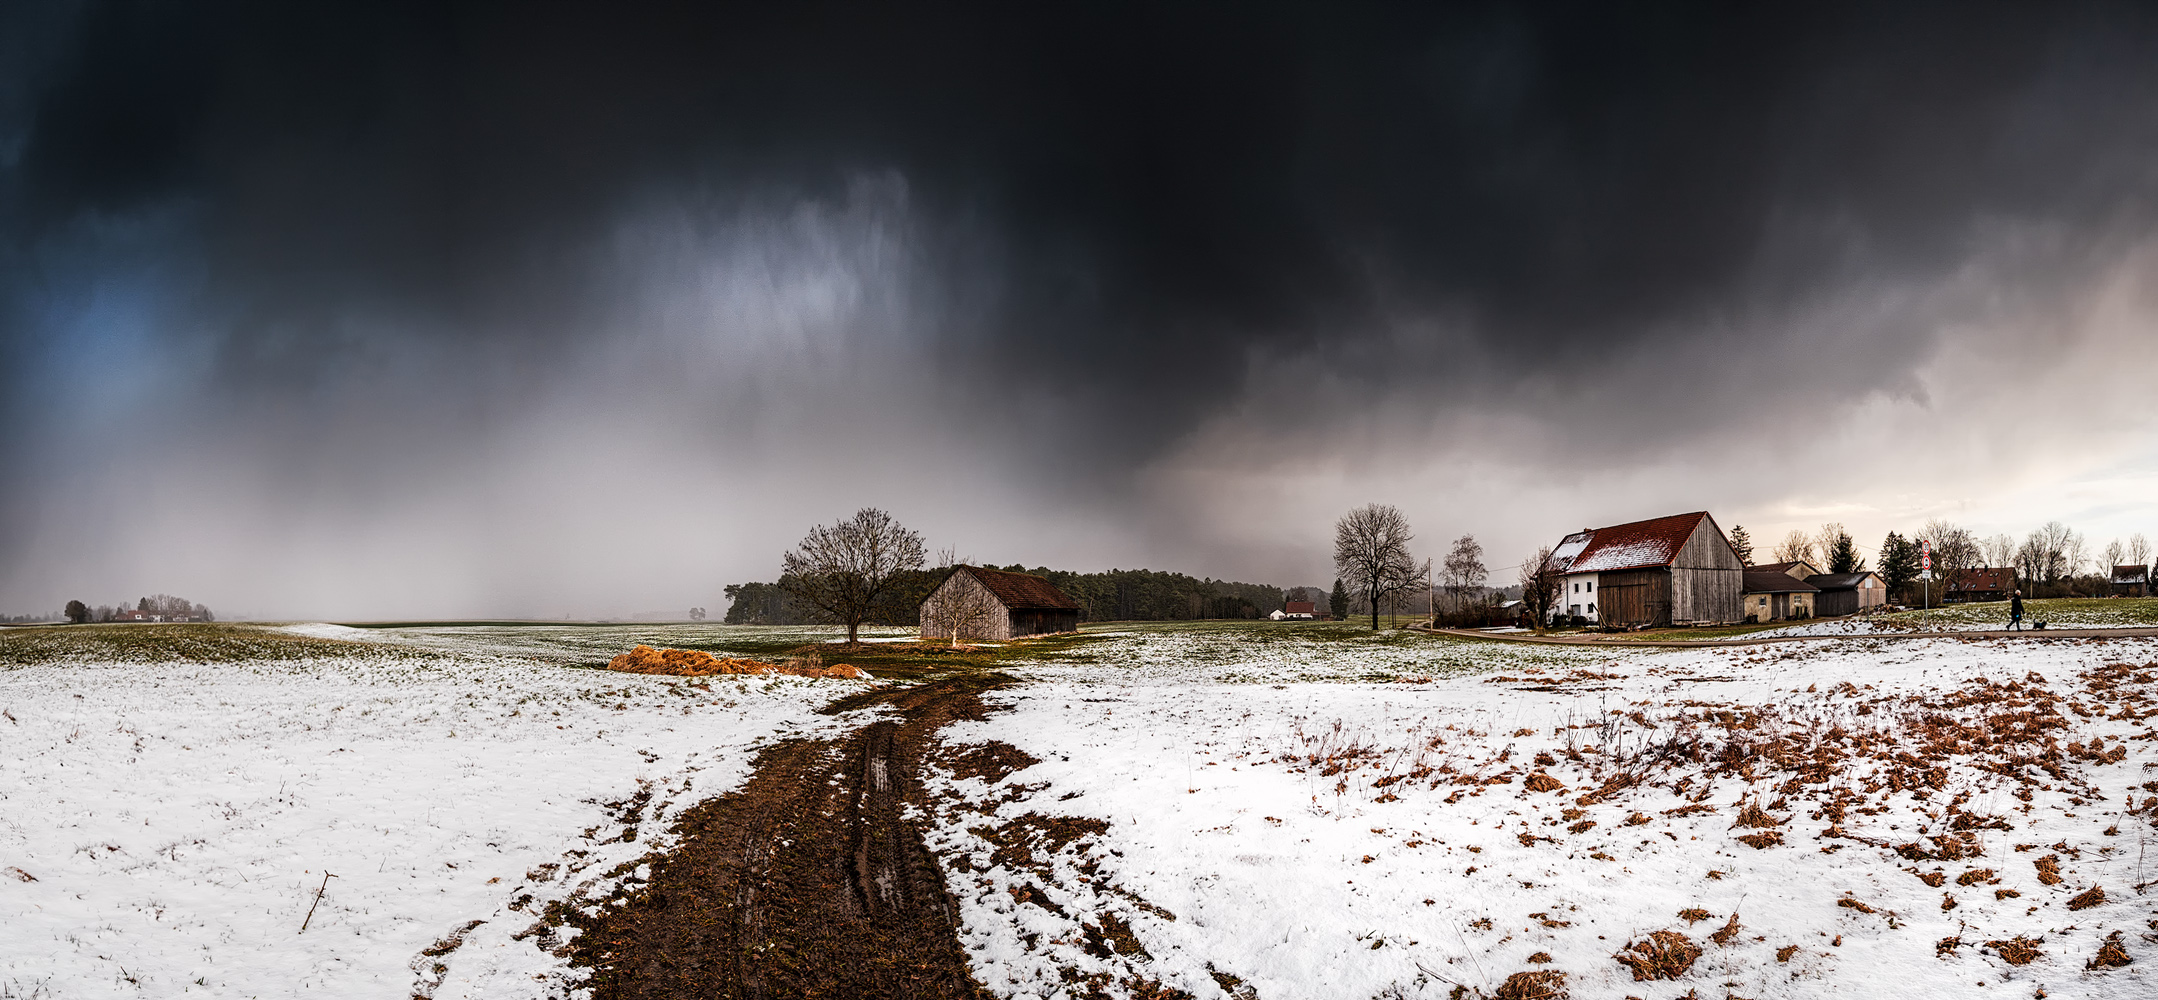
(388, 228)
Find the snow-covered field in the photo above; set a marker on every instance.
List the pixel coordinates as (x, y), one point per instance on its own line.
(1226, 809)
(1402, 840)
(165, 825)
(1986, 615)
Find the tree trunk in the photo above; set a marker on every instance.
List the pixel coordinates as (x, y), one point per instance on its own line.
(852, 628)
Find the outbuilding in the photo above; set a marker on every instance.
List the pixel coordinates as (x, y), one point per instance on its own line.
(1772, 594)
(993, 604)
(2131, 581)
(1847, 593)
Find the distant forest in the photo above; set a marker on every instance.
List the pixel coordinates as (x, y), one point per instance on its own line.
(1117, 595)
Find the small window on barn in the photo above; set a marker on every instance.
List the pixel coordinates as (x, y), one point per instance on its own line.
(1592, 607)
(1592, 586)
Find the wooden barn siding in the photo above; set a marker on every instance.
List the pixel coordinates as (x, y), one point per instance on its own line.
(1634, 597)
(1834, 603)
(1706, 578)
(1001, 625)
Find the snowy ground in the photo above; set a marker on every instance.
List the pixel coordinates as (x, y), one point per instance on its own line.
(165, 825)
(2069, 612)
(1383, 840)
(1226, 809)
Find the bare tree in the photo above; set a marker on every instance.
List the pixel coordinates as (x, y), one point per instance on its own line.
(2054, 542)
(1539, 587)
(2075, 554)
(1465, 569)
(1954, 551)
(1796, 546)
(2000, 550)
(958, 612)
(2139, 549)
(1371, 550)
(842, 570)
(2031, 558)
(2112, 555)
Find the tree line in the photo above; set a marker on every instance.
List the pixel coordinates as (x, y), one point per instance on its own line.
(2053, 560)
(1114, 595)
(870, 570)
(164, 605)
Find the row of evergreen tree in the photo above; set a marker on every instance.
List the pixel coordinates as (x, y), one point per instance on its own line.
(1116, 595)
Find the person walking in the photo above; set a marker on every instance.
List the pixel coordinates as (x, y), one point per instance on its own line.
(2015, 610)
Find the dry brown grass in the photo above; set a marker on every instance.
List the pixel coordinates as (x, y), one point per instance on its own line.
(2111, 954)
(1975, 876)
(2018, 950)
(2093, 896)
(1543, 984)
(1662, 955)
(1541, 782)
(2049, 869)
(698, 663)
(1727, 933)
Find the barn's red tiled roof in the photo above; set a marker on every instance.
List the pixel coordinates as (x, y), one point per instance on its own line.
(1985, 580)
(2130, 574)
(1300, 607)
(1022, 591)
(1638, 545)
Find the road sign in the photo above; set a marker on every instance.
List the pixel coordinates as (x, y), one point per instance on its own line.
(1925, 554)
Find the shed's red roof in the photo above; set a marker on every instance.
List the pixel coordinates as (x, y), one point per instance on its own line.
(1021, 590)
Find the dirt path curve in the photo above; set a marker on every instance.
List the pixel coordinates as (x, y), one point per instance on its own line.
(1584, 640)
(808, 881)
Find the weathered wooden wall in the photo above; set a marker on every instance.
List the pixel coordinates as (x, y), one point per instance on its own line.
(1634, 597)
(1707, 578)
(999, 625)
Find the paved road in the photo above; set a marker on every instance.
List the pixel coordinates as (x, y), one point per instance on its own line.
(1612, 640)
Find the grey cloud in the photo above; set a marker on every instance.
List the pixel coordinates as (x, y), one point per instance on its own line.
(361, 265)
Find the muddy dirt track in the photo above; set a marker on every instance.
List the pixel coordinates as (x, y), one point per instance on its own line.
(806, 882)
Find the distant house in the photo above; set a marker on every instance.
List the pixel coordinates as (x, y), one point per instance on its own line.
(1848, 593)
(1662, 571)
(1980, 583)
(1018, 604)
(1299, 610)
(1772, 594)
(2131, 581)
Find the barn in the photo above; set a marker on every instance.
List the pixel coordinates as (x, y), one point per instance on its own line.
(1662, 571)
(993, 604)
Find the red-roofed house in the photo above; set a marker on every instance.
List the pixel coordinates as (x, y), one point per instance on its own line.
(1661, 571)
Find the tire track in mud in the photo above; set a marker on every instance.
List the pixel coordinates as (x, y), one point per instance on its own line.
(808, 881)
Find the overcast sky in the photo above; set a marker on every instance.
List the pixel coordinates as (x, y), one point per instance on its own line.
(568, 310)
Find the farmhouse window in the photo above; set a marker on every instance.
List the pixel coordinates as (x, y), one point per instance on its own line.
(1592, 607)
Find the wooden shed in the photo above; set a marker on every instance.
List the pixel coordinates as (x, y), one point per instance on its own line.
(993, 604)
(1847, 593)
(1662, 571)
